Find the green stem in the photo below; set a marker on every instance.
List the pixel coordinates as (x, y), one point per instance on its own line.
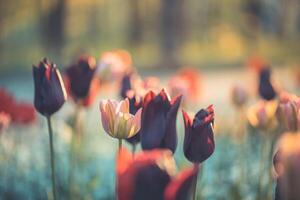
(194, 186)
(52, 157)
(133, 149)
(120, 144)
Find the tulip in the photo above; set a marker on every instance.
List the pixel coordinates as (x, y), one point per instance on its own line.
(239, 96)
(19, 112)
(262, 115)
(199, 136)
(287, 163)
(288, 111)
(199, 142)
(80, 80)
(158, 124)
(50, 92)
(266, 89)
(117, 121)
(49, 96)
(125, 85)
(151, 175)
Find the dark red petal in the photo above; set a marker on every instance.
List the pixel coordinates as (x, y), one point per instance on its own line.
(180, 187)
(170, 139)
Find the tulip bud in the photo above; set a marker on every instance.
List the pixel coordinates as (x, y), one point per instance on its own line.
(79, 78)
(158, 125)
(239, 96)
(266, 89)
(125, 85)
(199, 136)
(50, 92)
(262, 114)
(288, 111)
(4, 120)
(117, 121)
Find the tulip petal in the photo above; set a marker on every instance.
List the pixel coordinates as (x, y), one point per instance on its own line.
(104, 116)
(170, 139)
(180, 187)
(153, 124)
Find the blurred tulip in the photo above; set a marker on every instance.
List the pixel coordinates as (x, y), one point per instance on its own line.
(180, 187)
(23, 113)
(117, 121)
(266, 89)
(256, 63)
(262, 114)
(186, 82)
(145, 176)
(50, 92)
(287, 165)
(79, 80)
(20, 113)
(125, 85)
(158, 125)
(239, 96)
(135, 103)
(288, 111)
(199, 135)
(4, 120)
(114, 64)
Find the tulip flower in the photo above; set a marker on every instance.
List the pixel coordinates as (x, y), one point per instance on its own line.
(152, 175)
(49, 90)
(117, 121)
(262, 115)
(199, 142)
(158, 124)
(239, 96)
(287, 163)
(49, 96)
(288, 111)
(80, 80)
(125, 85)
(199, 136)
(266, 89)
(19, 112)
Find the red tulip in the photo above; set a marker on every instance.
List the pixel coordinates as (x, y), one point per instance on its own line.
(158, 125)
(199, 136)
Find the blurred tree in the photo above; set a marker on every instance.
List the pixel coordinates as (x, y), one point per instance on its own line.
(172, 30)
(52, 25)
(135, 35)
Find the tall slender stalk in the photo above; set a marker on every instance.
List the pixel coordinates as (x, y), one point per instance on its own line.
(194, 187)
(52, 158)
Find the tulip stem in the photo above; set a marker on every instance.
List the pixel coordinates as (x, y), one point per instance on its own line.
(120, 144)
(194, 187)
(52, 158)
(133, 149)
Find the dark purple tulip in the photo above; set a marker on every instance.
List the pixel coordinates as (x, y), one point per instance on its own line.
(199, 136)
(266, 89)
(150, 183)
(80, 76)
(125, 85)
(135, 104)
(158, 123)
(49, 90)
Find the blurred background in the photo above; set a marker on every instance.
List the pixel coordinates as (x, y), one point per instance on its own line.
(169, 33)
